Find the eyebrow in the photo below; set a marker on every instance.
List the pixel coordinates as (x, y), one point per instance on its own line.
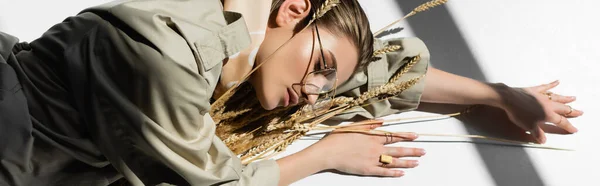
(333, 58)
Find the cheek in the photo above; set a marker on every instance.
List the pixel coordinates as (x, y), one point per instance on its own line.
(290, 64)
(300, 63)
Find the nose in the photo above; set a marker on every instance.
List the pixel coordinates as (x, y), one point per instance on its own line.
(311, 99)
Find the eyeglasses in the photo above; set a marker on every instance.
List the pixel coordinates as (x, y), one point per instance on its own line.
(322, 82)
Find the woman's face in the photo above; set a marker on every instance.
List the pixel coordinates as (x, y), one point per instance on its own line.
(275, 82)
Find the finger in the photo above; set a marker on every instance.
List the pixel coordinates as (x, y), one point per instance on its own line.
(574, 114)
(566, 110)
(389, 138)
(400, 163)
(560, 108)
(539, 134)
(546, 87)
(562, 99)
(404, 152)
(564, 123)
(385, 172)
(404, 136)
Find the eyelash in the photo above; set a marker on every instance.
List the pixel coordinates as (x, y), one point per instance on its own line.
(318, 65)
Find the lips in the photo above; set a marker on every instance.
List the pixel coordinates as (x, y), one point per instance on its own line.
(292, 97)
(286, 99)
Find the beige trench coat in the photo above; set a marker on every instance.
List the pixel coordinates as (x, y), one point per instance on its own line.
(142, 74)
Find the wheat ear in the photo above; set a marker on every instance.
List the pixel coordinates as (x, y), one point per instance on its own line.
(328, 5)
(419, 8)
(386, 49)
(406, 68)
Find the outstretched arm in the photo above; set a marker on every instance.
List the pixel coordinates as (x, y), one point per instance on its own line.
(527, 107)
(444, 87)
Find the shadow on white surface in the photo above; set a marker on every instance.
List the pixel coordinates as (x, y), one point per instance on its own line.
(451, 53)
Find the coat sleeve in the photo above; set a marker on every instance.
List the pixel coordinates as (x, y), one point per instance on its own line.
(146, 112)
(379, 72)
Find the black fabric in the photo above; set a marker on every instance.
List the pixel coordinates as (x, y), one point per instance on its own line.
(20, 47)
(43, 140)
(64, 118)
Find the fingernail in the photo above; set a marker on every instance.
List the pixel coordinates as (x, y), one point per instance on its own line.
(414, 135)
(400, 173)
(555, 82)
(423, 152)
(415, 163)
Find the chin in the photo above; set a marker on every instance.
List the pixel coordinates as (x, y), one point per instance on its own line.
(267, 106)
(264, 101)
(263, 97)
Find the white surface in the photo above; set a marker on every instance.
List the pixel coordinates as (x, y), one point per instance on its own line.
(520, 43)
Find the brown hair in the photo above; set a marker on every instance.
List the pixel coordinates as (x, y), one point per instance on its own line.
(347, 18)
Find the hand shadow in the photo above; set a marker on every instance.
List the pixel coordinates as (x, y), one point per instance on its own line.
(488, 121)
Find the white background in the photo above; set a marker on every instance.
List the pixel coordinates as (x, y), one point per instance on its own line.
(520, 43)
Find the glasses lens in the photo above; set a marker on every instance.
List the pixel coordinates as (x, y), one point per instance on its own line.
(320, 82)
(321, 106)
(318, 109)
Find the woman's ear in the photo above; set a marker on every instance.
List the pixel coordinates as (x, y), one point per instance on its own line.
(292, 12)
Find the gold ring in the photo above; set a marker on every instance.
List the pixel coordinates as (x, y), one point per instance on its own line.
(570, 111)
(549, 94)
(385, 159)
(388, 138)
(560, 121)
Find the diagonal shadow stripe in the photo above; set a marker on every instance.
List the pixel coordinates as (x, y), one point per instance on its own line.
(451, 53)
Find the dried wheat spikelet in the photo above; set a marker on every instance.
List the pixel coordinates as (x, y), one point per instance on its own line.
(406, 68)
(392, 87)
(327, 5)
(429, 5)
(418, 9)
(386, 91)
(386, 49)
(263, 147)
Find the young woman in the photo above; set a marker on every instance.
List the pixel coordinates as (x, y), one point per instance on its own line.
(124, 90)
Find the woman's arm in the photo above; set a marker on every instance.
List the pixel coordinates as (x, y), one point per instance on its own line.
(299, 165)
(528, 108)
(444, 87)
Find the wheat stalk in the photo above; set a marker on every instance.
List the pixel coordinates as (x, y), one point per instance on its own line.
(524, 144)
(419, 8)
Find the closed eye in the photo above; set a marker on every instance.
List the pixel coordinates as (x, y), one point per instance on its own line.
(319, 65)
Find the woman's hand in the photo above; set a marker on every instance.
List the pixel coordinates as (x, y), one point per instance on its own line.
(359, 153)
(530, 108)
